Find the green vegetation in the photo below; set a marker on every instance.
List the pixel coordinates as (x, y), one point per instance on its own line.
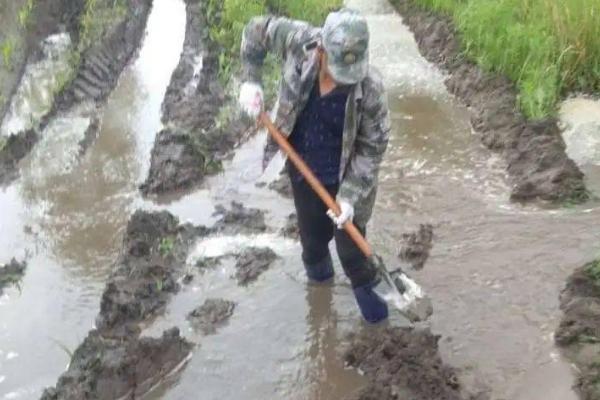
(227, 19)
(96, 17)
(593, 271)
(2, 140)
(547, 47)
(166, 246)
(24, 14)
(8, 50)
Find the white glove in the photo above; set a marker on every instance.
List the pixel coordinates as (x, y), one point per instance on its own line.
(346, 214)
(251, 99)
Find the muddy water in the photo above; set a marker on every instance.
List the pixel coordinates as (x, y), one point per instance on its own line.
(67, 212)
(494, 275)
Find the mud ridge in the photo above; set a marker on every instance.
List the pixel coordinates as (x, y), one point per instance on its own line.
(96, 77)
(579, 330)
(210, 315)
(11, 274)
(113, 361)
(199, 132)
(239, 220)
(401, 363)
(538, 166)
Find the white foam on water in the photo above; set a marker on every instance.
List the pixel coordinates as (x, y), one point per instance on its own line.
(217, 246)
(38, 85)
(58, 150)
(580, 120)
(11, 355)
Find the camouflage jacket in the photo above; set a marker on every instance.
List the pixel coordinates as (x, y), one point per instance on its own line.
(367, 122)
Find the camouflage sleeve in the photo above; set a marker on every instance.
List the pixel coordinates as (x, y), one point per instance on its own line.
(370, 145)
(270, 34)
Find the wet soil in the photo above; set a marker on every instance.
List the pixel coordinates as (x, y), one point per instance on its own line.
(11, 273)
(195, 139)
(282, 185)
(401, 363)
(97, 75)
(416, 246)
(537, 163)
(239, 220)
(126, 368)
(252, 262)
(291, 230)
(114, 362)
(210, 315)
(579, 330)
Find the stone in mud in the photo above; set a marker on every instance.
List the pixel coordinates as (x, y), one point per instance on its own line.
(415, 246)
(125, 368)
(89, 136)
(291, 230)
(14, 149)
(538, 166)
(252, 262)
(176, 164)
(579, 329)
(282, 185)
(11, 273)
(401, 363)
(146, 273)
(211, 314)
(239, 220)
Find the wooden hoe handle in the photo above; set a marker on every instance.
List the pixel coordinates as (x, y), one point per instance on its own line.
(314, 183)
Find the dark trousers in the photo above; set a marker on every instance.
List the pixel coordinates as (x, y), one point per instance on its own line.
(317, 230)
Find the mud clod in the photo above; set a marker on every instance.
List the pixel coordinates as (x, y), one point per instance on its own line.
(291, 230)
(282, 185)
(11, 273)
(416, 246)
(538, 166)
(252, 262)
(176, 163)
(107, 369)
(401, 363)
(212, 314)
(579, 330)
(12, 152)
(239, 220)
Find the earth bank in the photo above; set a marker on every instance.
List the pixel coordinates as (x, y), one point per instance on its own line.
(537, 163)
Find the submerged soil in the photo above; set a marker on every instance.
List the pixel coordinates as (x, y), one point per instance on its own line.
(579, 330)
(416, 246)
(193, 142)
(11, 273)
(538, 165)
(210, 315)
(252, 262)
(401, 363)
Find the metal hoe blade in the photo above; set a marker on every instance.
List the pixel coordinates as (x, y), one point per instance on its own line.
(404, 293)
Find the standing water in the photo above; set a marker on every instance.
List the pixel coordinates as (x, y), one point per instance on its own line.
(494, 275)
(67, 213)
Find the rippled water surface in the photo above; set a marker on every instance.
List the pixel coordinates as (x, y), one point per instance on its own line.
(494, 275)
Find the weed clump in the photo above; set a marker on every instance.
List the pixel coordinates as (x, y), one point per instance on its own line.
(548, 48)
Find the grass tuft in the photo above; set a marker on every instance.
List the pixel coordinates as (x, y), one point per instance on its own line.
(548, 48)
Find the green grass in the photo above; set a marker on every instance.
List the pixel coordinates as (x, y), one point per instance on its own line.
(593, 271)
(24, 14)
(8, 50)
(549, 48)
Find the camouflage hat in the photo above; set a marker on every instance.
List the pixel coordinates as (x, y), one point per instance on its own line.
(345, 38)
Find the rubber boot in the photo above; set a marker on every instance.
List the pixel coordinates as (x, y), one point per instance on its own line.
(321, 271)
(374, 309)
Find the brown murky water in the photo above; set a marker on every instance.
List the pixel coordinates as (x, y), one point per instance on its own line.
(494, 274)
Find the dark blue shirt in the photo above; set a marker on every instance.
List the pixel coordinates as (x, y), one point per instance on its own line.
(317, 135)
